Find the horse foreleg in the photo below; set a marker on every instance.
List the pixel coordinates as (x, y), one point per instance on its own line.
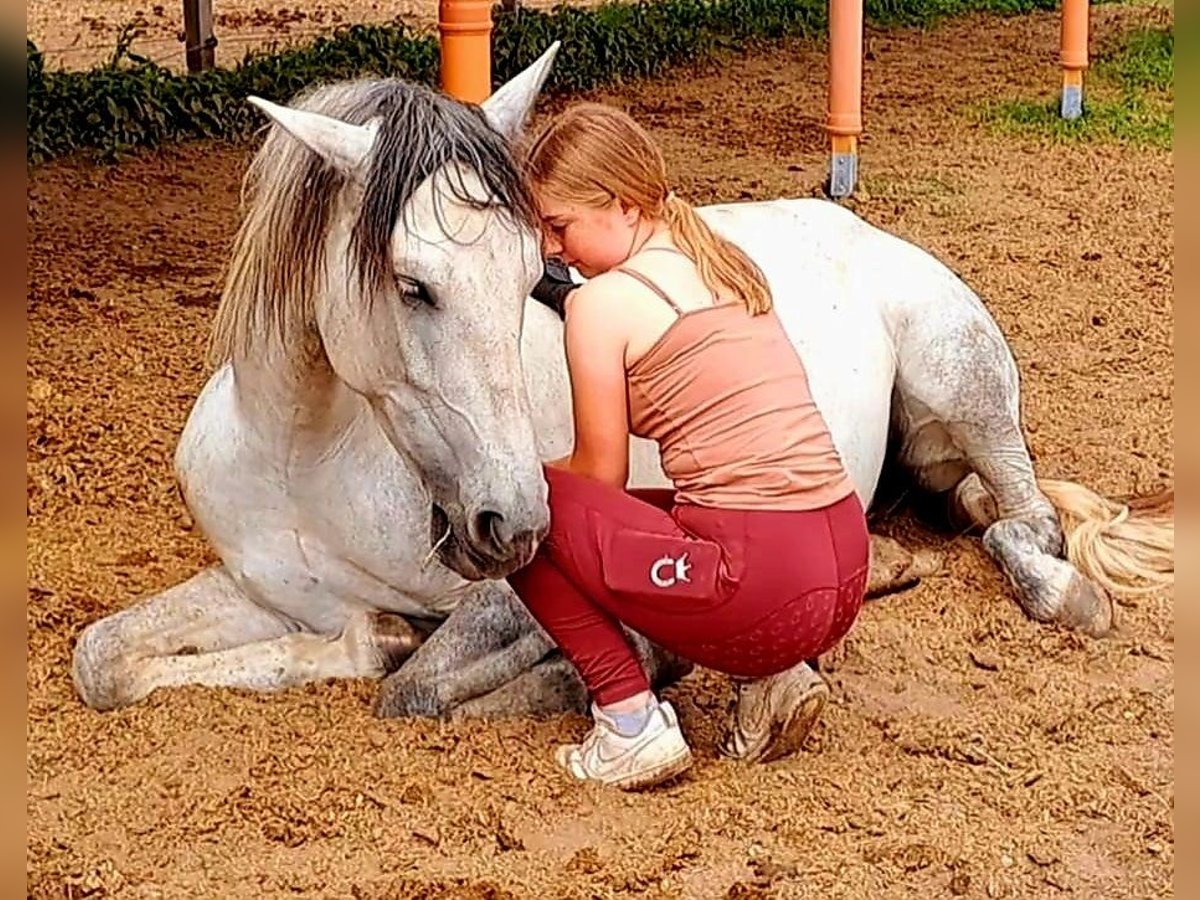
(550, 688)
(487, 641)
(207, 612)
(491, 658)
(207, 631)
(553, 685)
(366, 647)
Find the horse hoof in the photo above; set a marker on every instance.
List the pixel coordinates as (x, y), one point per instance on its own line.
(395, 640)
(103, 671)
(971, 506)
(926, 563)
(1086, 607)
(895, 569)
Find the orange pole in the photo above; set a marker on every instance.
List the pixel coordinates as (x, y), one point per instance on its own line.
(1074, 56)
(844, 118)
(465, 27)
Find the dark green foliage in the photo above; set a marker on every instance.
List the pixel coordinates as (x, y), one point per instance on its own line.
(621, 41)
(131, 101)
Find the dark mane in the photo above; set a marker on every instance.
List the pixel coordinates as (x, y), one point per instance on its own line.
(289, 194)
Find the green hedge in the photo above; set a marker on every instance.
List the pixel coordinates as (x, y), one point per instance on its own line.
(131, 101)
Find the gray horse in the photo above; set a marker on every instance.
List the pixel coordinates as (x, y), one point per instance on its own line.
(365, 458)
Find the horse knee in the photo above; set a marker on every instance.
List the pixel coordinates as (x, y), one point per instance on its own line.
(102, 668)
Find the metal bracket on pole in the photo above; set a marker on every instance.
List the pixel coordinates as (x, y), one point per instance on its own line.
(843, 167)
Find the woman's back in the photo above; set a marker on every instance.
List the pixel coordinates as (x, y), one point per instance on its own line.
(722, 392)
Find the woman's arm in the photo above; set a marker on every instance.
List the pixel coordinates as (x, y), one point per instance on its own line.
(595, 341)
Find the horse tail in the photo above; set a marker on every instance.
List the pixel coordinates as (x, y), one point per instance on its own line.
(1126, 546)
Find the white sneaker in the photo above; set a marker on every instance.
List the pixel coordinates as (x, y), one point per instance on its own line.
(656, 754)
(772, 716)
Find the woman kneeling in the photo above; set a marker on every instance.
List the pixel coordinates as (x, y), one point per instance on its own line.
(757, 561)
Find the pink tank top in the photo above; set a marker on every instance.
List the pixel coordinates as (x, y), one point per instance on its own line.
(726, 397)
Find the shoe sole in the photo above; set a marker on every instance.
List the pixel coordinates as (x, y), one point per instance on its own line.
(790, 734)
(664, 771)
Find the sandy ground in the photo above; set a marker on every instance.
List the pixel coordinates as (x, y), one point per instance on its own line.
(967, 751)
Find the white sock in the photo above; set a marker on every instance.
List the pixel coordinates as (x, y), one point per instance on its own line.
(632, 722)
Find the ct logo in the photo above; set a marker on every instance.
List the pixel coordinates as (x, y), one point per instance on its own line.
(677, 571)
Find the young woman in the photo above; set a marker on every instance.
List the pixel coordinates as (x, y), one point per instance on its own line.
(758, 560)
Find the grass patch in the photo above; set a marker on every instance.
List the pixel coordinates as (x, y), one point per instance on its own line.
(1129, 97)
(1143, 60)
(907, 186)
(1131, 120)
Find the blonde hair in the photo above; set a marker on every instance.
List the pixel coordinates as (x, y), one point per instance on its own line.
(592, 154)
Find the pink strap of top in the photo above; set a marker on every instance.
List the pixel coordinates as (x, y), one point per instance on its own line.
(654, 287)
(750, 416)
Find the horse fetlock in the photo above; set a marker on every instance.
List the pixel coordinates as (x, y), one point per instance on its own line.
(366, 644)
(103, 672)
(393, 638)
(1048, 534)
(1049, 589)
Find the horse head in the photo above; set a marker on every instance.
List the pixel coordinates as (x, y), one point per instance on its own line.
(407, 245)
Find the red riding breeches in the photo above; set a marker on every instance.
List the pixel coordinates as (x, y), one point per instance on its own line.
(745, 592)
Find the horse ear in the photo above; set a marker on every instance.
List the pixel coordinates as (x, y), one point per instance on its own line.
(344, 146)
(509, 107)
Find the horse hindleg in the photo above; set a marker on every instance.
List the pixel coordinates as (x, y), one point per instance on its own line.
(957, 407)
(205, 613)
(206, 631)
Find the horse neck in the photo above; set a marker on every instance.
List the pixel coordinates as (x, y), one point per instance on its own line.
(288, 391)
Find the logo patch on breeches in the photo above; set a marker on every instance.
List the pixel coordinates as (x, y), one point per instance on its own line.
(667, 571)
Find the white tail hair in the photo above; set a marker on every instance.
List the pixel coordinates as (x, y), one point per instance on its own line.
(1128, 548)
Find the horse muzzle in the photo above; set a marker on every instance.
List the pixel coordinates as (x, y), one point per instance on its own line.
(484, 543)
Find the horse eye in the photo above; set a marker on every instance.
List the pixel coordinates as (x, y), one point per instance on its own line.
(414, 291)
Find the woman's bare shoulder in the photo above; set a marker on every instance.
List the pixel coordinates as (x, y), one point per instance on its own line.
(598, 302)
(607, 292)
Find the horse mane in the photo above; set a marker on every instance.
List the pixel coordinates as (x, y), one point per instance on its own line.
(289, 193)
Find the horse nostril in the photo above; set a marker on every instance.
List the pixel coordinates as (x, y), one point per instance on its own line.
(491, 526)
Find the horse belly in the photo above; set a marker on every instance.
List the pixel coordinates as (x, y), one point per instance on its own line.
(850, 374)
(832, 315)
